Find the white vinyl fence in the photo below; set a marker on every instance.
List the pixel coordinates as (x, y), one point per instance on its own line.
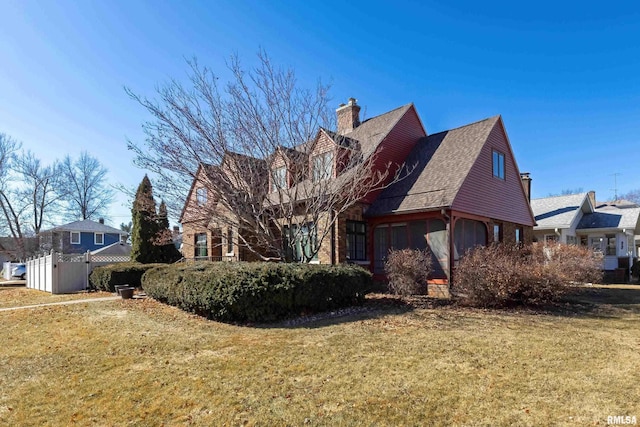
(62, 274)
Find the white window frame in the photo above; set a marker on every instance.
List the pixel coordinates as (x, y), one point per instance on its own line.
(322, 166)
(71, 239)
(201, 196)
(498, 164)
(95, 239)
(279, 179)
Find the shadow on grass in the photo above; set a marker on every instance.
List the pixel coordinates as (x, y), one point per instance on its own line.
(375, 306)
(592, 302)
(598, 302)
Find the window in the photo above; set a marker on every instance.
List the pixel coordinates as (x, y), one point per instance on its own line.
(229, 240)
(201, 196)
(611, 244)
(201, 246)
(468, 234)
(301, 242)
(279, 179)
(75, 238)
(322, 166)
(356, 240)
(550, 239)
(519, 234)
(572, 240)
(98, 238)
(497, 233)
(498, 164)
(422, 234)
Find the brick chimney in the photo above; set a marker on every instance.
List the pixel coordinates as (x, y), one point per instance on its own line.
(101, 220)
(525, 177)
(348, 116)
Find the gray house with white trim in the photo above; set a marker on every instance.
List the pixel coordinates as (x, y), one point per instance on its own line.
(611, 228)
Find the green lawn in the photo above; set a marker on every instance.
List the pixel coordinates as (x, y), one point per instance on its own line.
(137, 362)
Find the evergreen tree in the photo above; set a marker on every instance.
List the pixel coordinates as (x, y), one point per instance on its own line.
(169, 252)
(145, 225)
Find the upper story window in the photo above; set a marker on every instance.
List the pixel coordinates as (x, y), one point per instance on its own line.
(322, 166)
(75, 238)
(498, 164)
(279, 178)
(201, 196)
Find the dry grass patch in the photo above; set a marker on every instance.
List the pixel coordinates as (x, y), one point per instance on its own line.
(19, 296)
(143, 363)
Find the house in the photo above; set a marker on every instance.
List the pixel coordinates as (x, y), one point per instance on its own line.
(80, 237)
(460, 188)
(121, 248)
(610, 228)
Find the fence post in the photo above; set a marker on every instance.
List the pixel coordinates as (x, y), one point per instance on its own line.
(87, 262)
(55, 272)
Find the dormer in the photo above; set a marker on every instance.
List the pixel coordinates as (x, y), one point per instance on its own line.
(287, 168)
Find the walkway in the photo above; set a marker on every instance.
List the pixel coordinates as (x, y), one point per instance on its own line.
(76, 301)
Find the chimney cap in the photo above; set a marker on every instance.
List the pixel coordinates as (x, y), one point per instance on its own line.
(353, 101)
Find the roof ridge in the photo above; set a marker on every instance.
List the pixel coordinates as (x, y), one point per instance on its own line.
(464, 126)
(561, 195)
(387, 112)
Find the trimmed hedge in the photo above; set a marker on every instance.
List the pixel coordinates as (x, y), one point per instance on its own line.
(256, 292)
(123, 273)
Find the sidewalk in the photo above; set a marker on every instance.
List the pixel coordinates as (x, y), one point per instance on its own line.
(77, 301)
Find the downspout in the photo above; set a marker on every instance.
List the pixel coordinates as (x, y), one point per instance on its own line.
(447, 219)
(333, 237)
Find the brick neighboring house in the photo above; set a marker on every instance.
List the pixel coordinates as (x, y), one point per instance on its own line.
(462, 188)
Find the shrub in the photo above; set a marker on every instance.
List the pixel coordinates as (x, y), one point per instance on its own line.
(502, 275)
(106, 277)
(407, 271)
(256, 291)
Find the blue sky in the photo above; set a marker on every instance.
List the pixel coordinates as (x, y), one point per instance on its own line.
(565, 76)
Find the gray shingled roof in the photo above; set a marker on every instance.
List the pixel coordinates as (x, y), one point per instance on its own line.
(557, 211)
(372, 131)
(441, 163)
(87, 226)
(611, 217)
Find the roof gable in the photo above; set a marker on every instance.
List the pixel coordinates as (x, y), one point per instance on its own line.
(440, 164)
(560, 211)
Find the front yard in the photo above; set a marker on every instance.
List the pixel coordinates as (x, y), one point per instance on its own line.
(141, 363)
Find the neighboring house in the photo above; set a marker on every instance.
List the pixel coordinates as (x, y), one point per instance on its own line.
(117, 248)
(80, 237)
(464, 189)
(610, 228)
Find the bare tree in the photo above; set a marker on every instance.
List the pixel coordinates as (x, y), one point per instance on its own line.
(9, 218)
(632, 196)
(38, 190)
(230, 137)
(85, 190)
